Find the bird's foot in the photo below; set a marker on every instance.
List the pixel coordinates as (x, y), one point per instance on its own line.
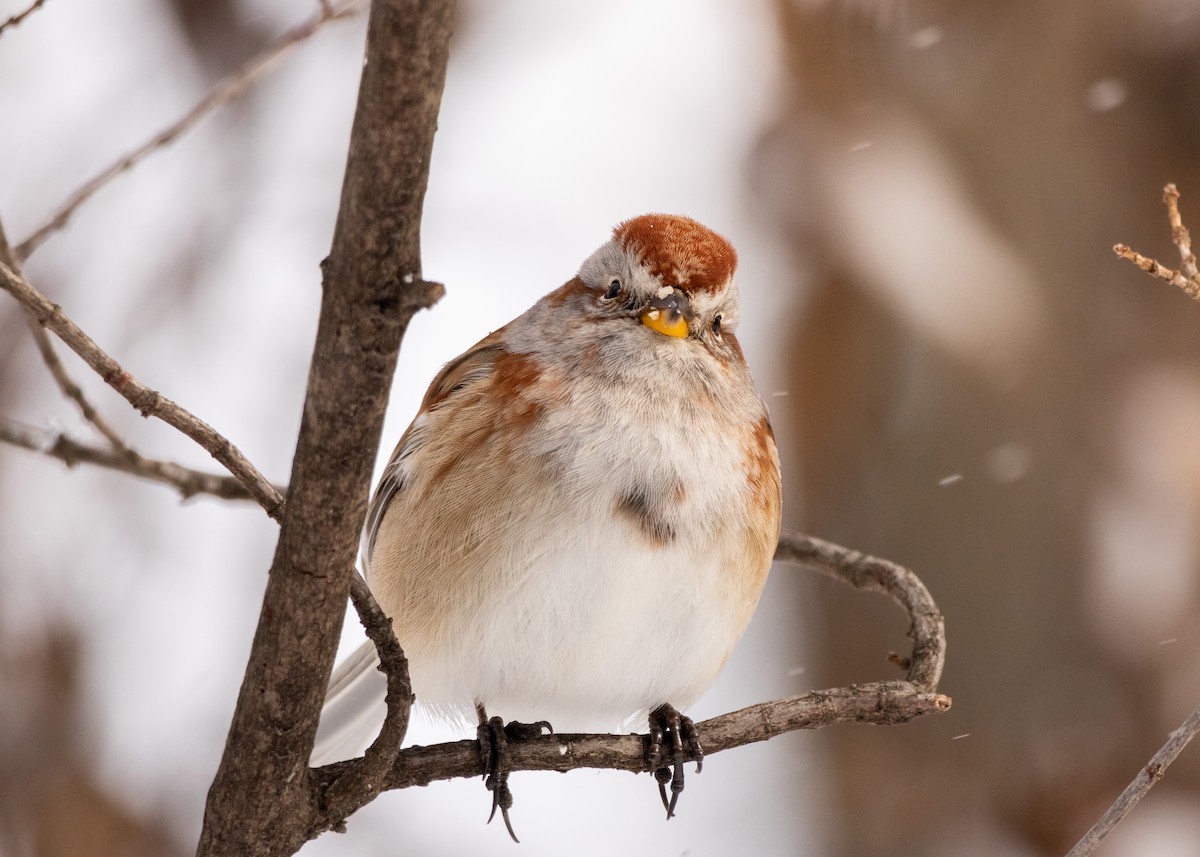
(494, 737)
(667, 724)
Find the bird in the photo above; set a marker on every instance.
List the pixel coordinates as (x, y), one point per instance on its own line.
(577, 526)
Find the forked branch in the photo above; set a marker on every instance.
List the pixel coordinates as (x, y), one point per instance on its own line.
(147, 401)
(117, 455)
(1188, 277)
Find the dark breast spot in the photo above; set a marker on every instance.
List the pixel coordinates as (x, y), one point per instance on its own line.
(637, 507)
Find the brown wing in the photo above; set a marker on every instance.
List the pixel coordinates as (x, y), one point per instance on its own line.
(469, 368)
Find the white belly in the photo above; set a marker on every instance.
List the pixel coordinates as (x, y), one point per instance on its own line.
(597, 634)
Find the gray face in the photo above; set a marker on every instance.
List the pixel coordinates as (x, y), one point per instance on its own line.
(709, 313)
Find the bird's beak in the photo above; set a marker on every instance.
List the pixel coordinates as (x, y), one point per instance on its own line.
(668, 314)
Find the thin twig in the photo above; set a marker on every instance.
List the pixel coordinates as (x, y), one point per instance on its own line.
(22, 15)
(224, 92)
(72, 390)
(119, 455)
(1179, 232)
(1157, 269)
(185, 480)
(147, 401)
(1136, 790)
(50, 357)
(1189, 278)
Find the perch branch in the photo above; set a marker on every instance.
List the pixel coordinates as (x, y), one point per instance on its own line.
(149, 402)
(229, 89)
(1188, 278)
(185, 480)
(879, 703)
(1136, 790)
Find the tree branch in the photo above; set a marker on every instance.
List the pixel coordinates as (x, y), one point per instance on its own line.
(119, 455)
(149, 402)
(882, 703)
(186, 481)
(879, 703)
(1189, 278)
(229, 89)
(1179, 232)
(264, 800)
(1136, 790)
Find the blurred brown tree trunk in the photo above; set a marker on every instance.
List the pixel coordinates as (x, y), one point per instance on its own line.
(1053, 724)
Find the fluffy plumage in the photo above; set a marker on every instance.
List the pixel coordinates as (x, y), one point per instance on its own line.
(579, 522)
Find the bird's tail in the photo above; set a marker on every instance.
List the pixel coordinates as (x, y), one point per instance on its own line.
(354, 707)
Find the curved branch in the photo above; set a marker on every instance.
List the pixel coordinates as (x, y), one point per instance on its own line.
(879, 575)
(358, 785)
(149, 402)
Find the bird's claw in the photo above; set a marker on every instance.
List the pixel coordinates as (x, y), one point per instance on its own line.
(494, 736)
(502, 799)
(666, 721)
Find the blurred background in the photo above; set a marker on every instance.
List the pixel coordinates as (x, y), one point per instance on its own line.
(963, 378)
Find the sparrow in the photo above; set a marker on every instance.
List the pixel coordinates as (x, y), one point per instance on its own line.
(577, 526)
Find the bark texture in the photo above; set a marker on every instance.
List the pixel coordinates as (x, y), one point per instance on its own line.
(263, 800)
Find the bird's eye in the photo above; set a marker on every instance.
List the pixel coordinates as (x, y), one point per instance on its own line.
(717, 326)
(614, 289)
